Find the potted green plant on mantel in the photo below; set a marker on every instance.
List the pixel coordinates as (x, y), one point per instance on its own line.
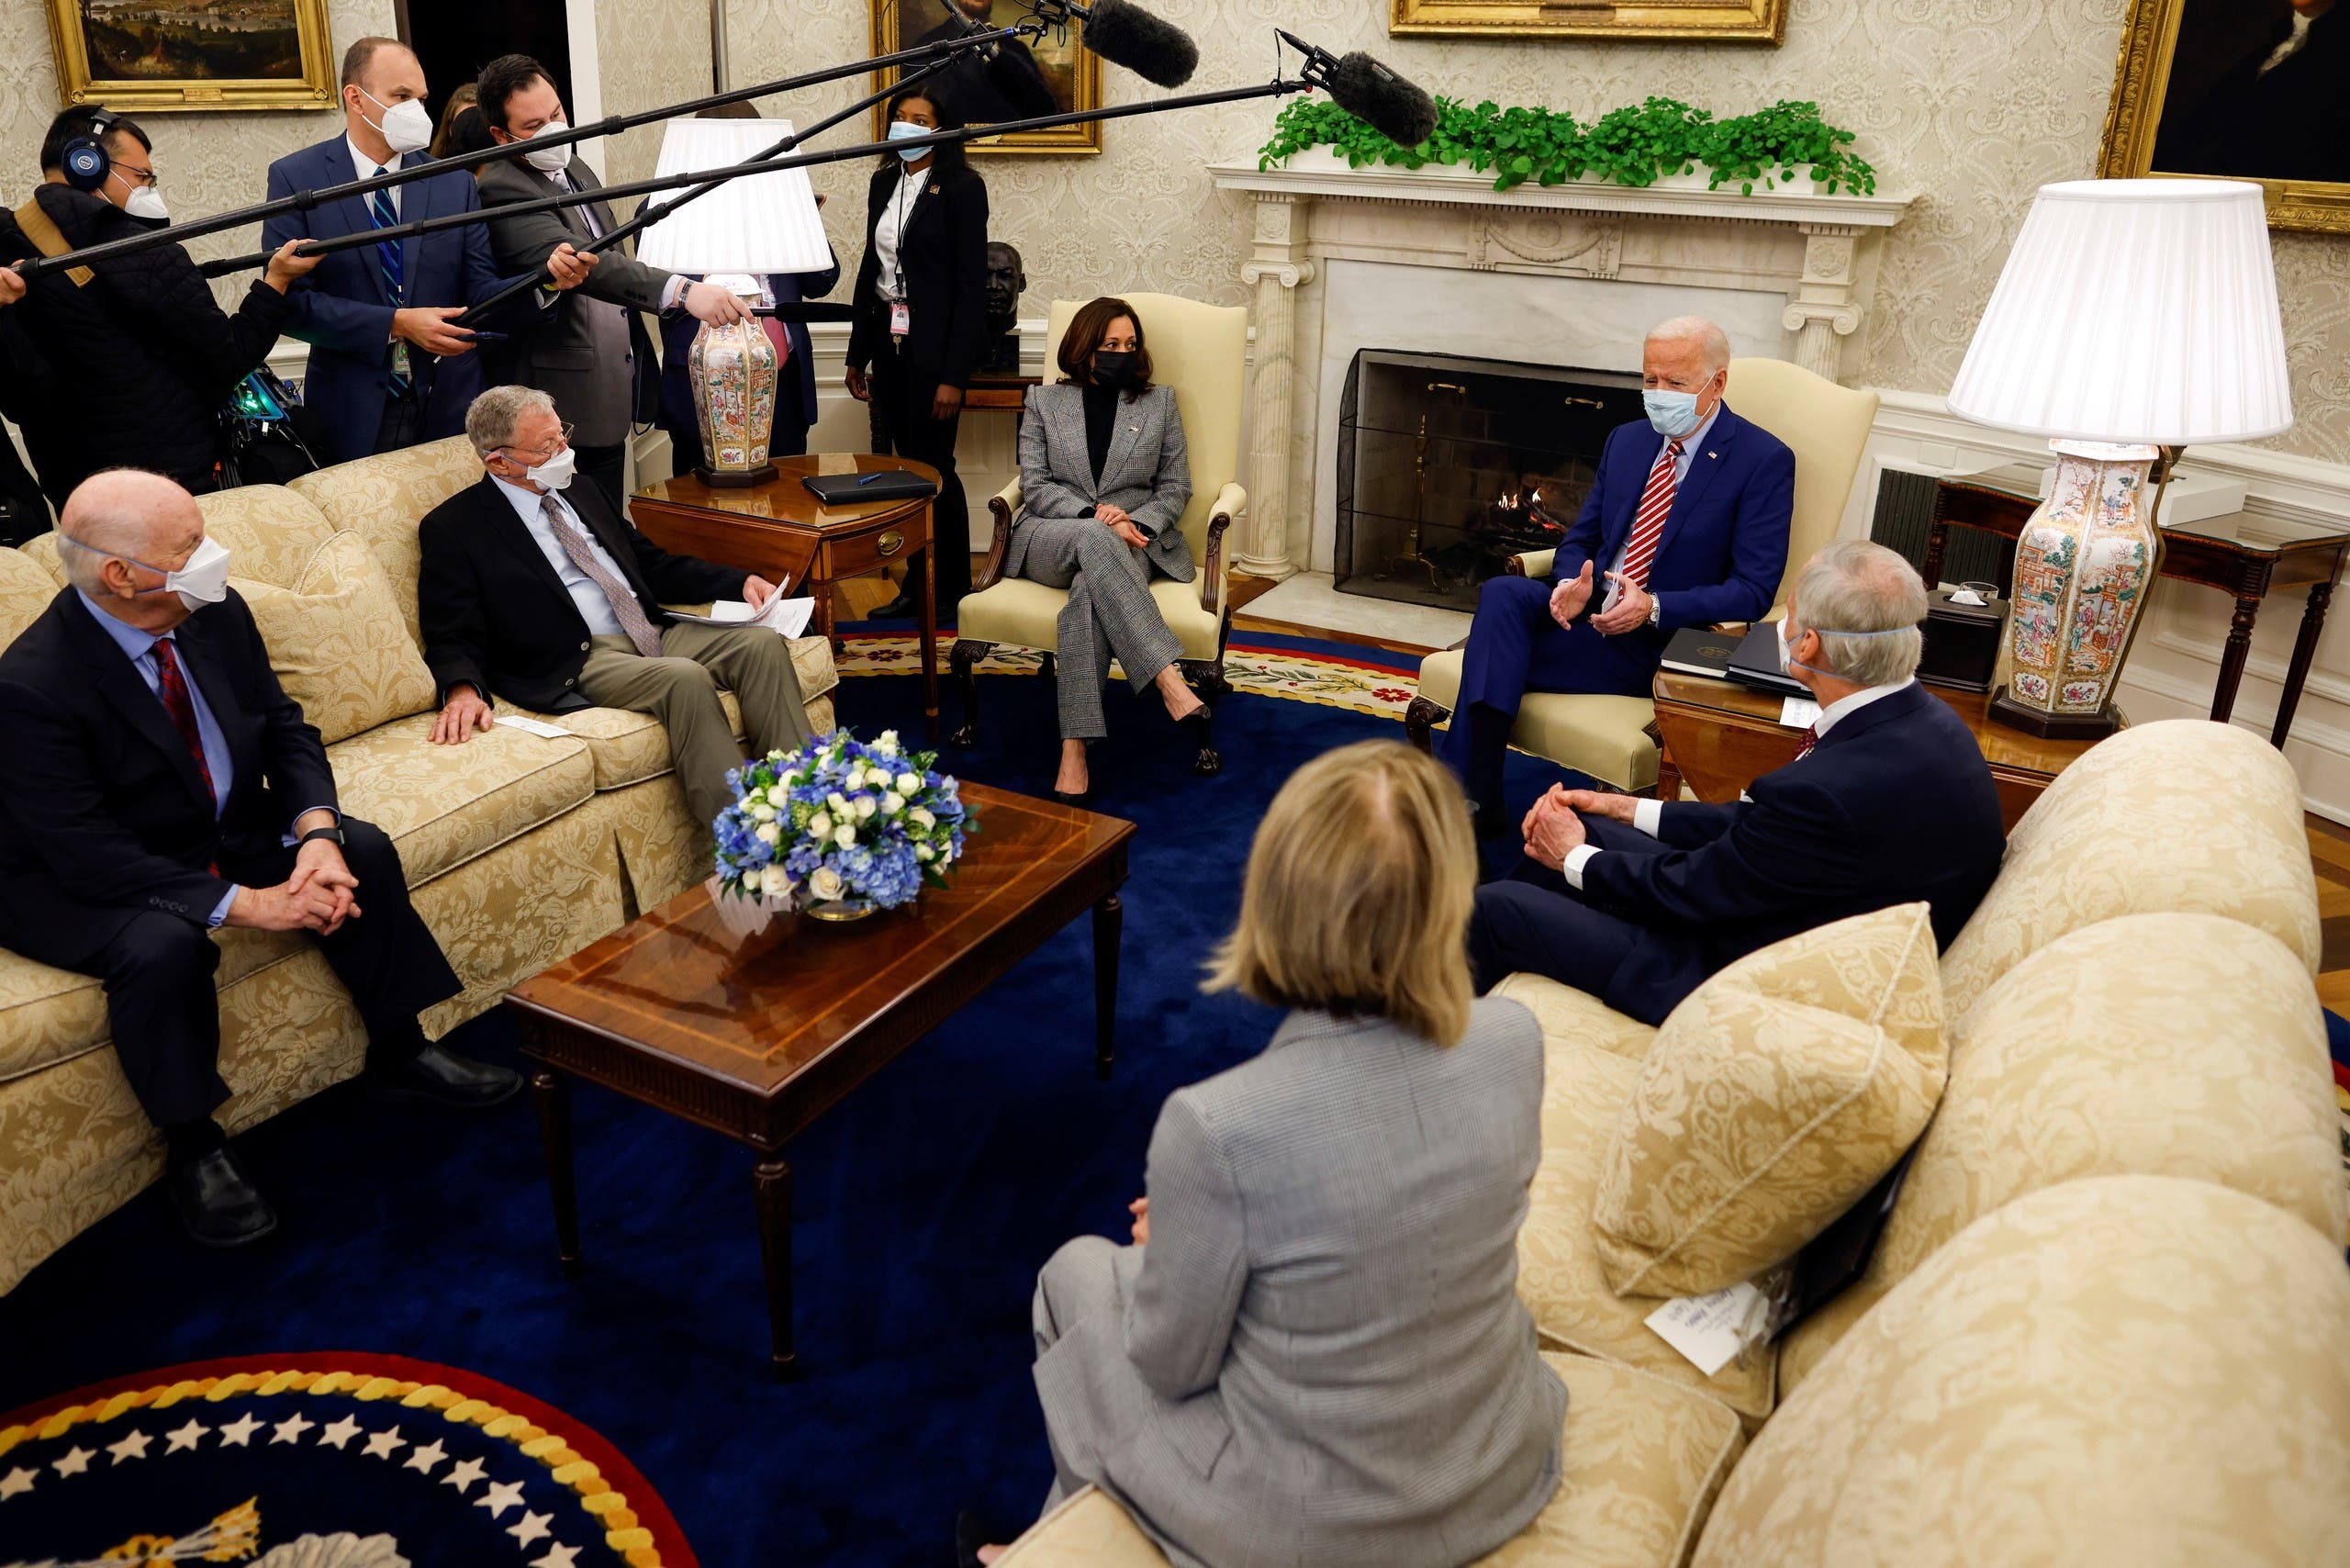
(1786, 149)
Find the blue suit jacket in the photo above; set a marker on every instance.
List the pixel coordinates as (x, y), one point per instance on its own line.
(677, 335)
(1725, 543)
(1894, 805)
(344, 312)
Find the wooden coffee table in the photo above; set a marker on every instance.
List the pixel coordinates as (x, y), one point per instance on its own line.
(1719, 736)
(757, 1036)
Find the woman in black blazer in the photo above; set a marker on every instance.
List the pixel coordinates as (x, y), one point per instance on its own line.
(921, 319)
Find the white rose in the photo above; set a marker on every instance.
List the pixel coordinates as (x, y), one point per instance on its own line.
(877, 778)
(826, 884)
(908, 782)
(773, 883)
(844, 835)
(886, 743)
(892, 803)
(762, 812)
(922, 818)
(775, 757)
(767, 833)
(924, 852)
(819, 825)
(837, 801)
(864, 807)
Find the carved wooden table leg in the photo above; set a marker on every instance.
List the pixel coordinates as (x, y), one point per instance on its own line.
(1668, 778)
(2232, 658)
(2304, 650)
(1109, 920)
(771, 1186)
(550, 1097)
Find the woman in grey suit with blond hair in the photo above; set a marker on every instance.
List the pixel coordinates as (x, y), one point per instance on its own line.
(1313, 1352)
(1103, 479)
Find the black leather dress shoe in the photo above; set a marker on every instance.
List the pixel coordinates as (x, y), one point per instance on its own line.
(444, 1077)
(216, 1203)
(901, 607)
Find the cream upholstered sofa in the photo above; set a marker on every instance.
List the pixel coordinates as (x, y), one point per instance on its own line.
(519, 850)
(2108, 1320)
(1609, 737)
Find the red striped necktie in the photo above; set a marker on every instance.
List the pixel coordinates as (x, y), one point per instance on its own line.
(1648, 523)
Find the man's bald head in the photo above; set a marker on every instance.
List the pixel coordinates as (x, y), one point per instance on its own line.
(122, 530)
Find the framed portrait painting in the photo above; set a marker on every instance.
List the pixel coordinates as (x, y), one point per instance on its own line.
(1053, 75)
(2237, 89)
(1679, 21)
(192, 54)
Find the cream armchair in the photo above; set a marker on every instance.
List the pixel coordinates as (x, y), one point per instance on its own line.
(1198, 349)
(1609, 738)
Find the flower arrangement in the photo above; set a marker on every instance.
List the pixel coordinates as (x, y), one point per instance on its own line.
(839, 823)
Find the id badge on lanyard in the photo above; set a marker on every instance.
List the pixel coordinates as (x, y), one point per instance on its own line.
(399, 357)
(900, 320)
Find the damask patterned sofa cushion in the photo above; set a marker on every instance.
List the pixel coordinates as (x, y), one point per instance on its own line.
(1566, 1014)
(383, 499)
(2130, 1369)
(27, 587)
(2182, 1044)
(444, 805)
(1776, 1095)
(336, 641)
(52, 1015)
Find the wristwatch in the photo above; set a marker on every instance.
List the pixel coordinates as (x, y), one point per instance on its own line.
(335, 833)
(1656, 609)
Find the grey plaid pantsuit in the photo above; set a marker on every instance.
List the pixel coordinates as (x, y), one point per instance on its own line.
(1147, 473)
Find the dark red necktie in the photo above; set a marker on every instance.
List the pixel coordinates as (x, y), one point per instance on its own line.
(170, 685)
(1811, 739)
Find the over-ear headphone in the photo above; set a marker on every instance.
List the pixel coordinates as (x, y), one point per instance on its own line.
(84, 161)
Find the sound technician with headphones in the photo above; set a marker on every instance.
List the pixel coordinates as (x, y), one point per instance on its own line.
(140, 359)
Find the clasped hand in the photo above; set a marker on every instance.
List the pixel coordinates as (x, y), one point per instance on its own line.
(1554, 827)
(1121, 522)
(318, 897)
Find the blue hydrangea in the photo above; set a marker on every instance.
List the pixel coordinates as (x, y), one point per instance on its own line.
(883, 864)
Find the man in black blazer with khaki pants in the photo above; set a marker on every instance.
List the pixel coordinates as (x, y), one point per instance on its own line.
(160, 783)
(535, 589)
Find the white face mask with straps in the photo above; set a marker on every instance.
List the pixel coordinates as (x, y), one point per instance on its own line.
(550, 159)
(406, 125)
(201, 580)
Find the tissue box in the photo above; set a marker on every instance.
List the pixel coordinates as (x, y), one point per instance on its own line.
(1962, 643)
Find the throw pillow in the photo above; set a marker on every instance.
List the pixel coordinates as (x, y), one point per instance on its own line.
(338, 642)
(1772, 1098)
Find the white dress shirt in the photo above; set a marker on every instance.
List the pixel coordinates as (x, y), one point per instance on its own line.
(367, 169)
(1649, 815)
(594, 608)
(891, 228)
(1689, 445)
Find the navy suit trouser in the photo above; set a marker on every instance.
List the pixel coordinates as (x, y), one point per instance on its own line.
(1537, 923)
(1515, 647)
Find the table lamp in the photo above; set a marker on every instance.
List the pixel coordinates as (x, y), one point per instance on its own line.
(2134, 317)
(735, 235)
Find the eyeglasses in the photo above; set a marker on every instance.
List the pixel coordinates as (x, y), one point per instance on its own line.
(144, 176)
(561, 440)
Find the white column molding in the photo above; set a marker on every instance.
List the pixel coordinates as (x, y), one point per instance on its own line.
(1824, 308)
(1275, 271)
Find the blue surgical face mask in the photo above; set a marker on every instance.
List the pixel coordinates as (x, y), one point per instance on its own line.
(1673, 414)
(901, 128)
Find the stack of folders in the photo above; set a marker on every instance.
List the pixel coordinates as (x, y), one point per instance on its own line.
(1751, 659)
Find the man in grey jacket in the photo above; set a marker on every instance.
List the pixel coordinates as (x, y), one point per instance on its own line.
(592, 354)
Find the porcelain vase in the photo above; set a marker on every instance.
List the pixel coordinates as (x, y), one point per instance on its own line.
(733, 371)
(2084, 564)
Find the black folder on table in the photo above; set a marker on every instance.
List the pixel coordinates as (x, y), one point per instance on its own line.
(1701, 650)
(876, 485)
(1756, 663)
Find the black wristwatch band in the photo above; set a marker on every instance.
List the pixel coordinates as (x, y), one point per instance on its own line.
(335, 833)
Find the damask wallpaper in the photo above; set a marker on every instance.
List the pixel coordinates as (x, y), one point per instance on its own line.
(652, 52)
(1970, 104)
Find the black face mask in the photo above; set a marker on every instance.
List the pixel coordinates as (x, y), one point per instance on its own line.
(1112, 367)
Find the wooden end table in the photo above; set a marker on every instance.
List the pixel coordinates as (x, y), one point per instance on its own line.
(1719, 736)
(782, 532)
(757, 1036)
(2242, 555)
(999, 392)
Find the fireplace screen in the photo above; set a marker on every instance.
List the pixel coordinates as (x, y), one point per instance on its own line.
(1448, 467)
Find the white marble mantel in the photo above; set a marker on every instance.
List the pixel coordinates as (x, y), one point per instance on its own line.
(1790, 273)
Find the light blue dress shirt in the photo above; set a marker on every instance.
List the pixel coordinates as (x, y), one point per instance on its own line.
(594, 608)
(139, 647)
(1689, 446)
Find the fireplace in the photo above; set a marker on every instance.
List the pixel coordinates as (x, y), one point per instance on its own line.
(1448, 465)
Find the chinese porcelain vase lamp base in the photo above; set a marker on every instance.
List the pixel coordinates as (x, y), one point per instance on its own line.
(2133, 315)
(734, 369)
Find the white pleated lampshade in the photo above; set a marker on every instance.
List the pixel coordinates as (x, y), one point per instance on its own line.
(2134, 311)
(759, 223)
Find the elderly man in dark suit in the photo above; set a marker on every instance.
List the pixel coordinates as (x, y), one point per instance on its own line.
(387, 367)
(591, 354)
(541, 593)
(161, 783)
(1889, 801)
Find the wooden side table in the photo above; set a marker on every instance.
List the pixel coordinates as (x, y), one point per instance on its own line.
(782, 532)
(2242, 555)
(1719, 736)
(998, 392)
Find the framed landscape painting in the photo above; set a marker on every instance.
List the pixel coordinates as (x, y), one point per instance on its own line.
(192, 54)
(1679, 21)
(2237, 89)
(1053, 76)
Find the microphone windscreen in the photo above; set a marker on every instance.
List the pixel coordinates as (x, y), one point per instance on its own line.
(1124, 34)
(1383, 100)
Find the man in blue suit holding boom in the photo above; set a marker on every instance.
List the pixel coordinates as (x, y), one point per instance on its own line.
(1686, 525)
(387, 369)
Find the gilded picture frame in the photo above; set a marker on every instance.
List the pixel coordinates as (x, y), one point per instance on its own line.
(2221, 89)
(1682, 21)
(1055, 76)
(135, 55)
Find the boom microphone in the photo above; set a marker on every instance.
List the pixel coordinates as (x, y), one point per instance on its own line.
(1370, 91)
(1124, 34)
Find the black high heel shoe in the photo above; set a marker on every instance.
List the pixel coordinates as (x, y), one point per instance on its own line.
(1074, 798)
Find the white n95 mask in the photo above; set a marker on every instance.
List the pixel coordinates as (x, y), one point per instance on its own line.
(202, 580)
(550, 159)
(556, 471)
(147, 202)
(406, 125)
